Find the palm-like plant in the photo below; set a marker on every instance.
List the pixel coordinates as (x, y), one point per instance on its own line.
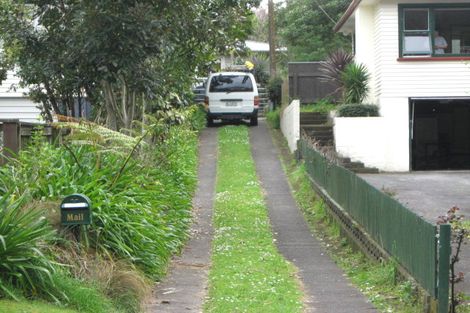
(332, 68)
(23, 266)
(355, 86)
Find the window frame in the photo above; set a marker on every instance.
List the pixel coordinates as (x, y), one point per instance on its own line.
(431, 7)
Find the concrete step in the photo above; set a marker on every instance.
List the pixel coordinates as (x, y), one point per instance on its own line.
(354, 165)
(313, 127)
(323, 138)
(321, 132)
(313, 118)
(312, 122)
(364, 170)
(324, 142)
(313, 114)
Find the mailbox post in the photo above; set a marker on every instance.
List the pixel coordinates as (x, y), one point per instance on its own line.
(75, 210)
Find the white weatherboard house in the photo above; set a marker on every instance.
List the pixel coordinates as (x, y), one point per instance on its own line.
(418, 55)
(14, 104)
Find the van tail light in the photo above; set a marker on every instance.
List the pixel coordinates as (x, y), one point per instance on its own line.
(206, 101)
(256, 102)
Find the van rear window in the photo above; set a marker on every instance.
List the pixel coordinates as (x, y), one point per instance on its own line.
(231, 83)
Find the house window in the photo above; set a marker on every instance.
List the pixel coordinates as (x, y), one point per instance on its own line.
(434, 30)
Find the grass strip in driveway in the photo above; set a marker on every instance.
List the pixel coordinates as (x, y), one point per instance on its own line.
(248, 274)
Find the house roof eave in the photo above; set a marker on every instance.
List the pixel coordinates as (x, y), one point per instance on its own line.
(346, 16)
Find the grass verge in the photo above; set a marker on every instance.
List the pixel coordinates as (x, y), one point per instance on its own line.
(376, 281)
(10, 306)
(248, 274)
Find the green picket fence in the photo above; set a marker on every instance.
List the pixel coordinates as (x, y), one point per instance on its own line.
(403, 234)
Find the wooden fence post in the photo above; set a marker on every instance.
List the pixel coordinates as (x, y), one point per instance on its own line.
(444, 263)
(11, 138)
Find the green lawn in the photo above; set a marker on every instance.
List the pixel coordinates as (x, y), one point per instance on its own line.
(248, 274)
(8, 306)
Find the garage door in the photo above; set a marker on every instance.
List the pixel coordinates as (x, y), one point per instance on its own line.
(440, 134)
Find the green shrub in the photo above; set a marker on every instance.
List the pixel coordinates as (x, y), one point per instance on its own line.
(358, 110)
(23, 264)
(321, 106)
(355, 87)
(141, 211)
(275, 90)
(274, 118)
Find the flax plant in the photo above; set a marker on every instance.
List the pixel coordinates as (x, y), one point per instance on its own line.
(23, 264)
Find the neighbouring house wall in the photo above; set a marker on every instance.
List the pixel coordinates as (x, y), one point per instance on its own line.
(290, 124)
(13, 103)
(226, 62)
(19, 108)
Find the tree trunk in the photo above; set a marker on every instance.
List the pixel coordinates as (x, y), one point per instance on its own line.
(143, 114)
(132, 108)
(272, 40)
(125, 117)
(109, 100)
(53, 101)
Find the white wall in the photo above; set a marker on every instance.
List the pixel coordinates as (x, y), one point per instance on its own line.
(364, 54)
(375, 141)
(377, 46)
(393, 83)
(290, 124)
(408, 78)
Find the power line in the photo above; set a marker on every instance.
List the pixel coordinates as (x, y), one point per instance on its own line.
(326, 13)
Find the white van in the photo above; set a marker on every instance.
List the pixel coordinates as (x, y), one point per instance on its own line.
(232, 96)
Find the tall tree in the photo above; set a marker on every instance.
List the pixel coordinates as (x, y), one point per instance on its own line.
(272, 39)
(117, 54)
(306, 28)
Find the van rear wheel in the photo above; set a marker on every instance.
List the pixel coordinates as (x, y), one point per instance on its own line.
(210, 122)
(254, 121)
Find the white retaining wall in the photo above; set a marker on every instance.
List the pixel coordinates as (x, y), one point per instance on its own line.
(290, 124)
(376, 141)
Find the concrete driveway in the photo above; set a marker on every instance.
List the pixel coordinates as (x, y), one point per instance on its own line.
(431, 194)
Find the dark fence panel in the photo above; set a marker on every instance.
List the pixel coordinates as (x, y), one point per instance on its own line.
(305, 83)
(14, 135)
(399, 231)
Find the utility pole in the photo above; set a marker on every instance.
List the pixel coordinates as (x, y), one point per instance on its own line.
(272, 40)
